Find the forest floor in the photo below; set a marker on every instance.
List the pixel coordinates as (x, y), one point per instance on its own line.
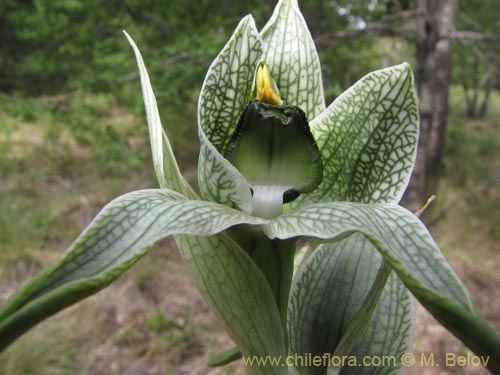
(152, 321)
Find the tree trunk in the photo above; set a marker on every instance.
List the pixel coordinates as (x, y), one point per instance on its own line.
(435, 22)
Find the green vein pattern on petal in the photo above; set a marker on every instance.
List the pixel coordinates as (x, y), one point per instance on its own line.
(368, 140)
(165, 165)
(397, 233)
(238, 292)
(119, 236)
(225, 93)
(227, 88)
(329, 292)
(291, 55)
(220, 181)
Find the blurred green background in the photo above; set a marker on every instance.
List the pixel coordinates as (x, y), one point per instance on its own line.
(73, 136)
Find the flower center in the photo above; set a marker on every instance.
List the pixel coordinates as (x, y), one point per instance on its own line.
(273, 148)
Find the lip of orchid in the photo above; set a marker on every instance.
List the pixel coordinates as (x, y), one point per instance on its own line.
(273, 148)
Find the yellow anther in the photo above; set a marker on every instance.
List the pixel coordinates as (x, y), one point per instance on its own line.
(265, 88)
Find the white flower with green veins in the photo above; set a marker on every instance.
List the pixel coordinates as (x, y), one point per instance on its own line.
(277, 167)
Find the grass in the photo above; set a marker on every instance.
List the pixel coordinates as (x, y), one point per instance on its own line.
(60, 162)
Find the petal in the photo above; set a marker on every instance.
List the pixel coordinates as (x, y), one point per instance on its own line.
(226, 91)
(227, 88)
(368, 140)
(290, 52)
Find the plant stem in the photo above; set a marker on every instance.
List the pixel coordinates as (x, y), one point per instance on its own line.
(286, 252)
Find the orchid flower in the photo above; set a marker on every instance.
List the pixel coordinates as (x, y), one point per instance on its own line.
(278, 168)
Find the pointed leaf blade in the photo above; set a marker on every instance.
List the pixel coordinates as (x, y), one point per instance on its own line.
(327, 296)
(408, 247)
(398, 234)
(290, 52)
(117, 238)
(238, 292)
(165, 165)
(368, 139)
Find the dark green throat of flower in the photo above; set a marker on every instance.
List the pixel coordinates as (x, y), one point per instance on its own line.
(274, 150)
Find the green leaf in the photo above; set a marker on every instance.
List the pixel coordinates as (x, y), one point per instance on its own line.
(408, 247)
(226, 91)
(240, 295)
(327, 297)
(117, 238)
(291, 55)
(274, 258)
(368, 139)
(165, 165)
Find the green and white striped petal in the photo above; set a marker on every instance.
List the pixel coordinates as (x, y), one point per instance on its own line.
(368, 140)
(165, 165)
(291, 55)
(327, 297)
(226, 91)
(408, 247)
(118, 237)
